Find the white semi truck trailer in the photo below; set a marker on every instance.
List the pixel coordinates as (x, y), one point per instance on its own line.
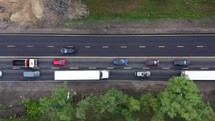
(199, 75)
(81, 75)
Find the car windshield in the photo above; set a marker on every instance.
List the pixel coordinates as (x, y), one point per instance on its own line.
(60, 62)
(151, 62)
(121, 61)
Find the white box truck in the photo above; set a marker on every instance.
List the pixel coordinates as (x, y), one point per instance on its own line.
(199, 75)
(81, 75)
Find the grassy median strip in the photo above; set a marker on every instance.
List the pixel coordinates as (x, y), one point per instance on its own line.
(149, 9)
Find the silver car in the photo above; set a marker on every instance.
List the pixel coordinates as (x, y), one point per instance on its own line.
(31, 74)
(143, 74)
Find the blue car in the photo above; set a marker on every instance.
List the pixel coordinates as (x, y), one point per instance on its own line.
(119, 61)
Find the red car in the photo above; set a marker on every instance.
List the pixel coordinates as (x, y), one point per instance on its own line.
(151, 62)
(57, 62)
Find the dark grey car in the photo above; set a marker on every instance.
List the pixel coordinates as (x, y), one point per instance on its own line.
(181, 63)
(143, 74)
(67, 50)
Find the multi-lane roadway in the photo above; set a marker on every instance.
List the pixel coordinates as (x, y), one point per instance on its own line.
(108, 45)
(97, 52)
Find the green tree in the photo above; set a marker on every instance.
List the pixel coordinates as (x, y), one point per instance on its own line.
(57, 107)
(181, 98)
(133, 104)
(82, 108)
(149, 103)
(111, 102)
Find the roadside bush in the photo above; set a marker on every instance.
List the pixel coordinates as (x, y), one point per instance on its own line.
(33, 108)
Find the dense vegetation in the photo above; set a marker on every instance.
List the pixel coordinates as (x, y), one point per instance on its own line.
(180, 101)
(149, 9)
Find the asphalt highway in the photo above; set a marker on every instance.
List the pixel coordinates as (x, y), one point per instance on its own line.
(22, 45)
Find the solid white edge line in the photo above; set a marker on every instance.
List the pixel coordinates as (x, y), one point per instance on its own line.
(110, 57)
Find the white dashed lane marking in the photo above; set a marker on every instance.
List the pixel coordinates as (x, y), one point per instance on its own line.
(180, 46)
(165, 68)
(204, 68)
(105, 46)
(50, 46)
(161, 46)
(127, 68)
(55, 68)
(87, 46)
(110, 67)
(11, 46)
(142, 46)
(92, 67)
(30, 45)
(74, 68)
(124, 46)
(199, 46)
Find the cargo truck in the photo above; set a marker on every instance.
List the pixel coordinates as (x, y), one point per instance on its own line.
(199, 75)
(81, 75)
(27, 63)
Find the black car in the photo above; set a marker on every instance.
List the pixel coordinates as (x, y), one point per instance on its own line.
(181, 63)
(151, 62)
(67, 50)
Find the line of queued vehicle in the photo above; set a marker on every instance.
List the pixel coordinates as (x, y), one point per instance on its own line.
(149, 63)
(31, 63)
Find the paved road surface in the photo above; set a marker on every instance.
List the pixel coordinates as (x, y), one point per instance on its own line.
(163, 72)
(108, 45)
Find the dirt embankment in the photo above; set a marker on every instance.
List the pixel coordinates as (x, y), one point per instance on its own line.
(55, 16)
(38, 13)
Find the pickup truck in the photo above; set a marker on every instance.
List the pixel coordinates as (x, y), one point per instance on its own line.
(27, 63)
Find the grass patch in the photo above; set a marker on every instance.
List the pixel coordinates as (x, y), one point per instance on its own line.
(149, 9)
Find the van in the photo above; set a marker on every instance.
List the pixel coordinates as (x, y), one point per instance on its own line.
(31, 74)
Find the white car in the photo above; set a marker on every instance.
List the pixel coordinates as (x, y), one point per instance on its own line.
(143, 74)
